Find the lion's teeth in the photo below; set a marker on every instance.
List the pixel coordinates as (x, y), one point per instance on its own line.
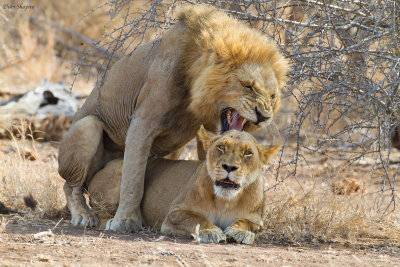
(244, 121)
(229, 116)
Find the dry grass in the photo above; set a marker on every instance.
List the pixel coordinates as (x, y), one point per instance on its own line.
(323, 217)
(3, 225)
(305, 209)
(21, 174)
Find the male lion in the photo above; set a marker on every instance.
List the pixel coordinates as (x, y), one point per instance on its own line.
(207, 69)
(224, 192)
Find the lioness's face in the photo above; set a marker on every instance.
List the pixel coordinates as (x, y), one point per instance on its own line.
(234, 161)
(253, 98)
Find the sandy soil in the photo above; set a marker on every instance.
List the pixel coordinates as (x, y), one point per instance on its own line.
(29, 242)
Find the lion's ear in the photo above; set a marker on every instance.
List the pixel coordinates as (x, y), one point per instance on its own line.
(266, 153)
(206, 137)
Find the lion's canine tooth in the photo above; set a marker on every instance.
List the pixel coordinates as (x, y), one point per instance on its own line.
(244, 121)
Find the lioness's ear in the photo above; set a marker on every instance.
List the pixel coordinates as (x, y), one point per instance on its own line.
(206, 137)
(266, 153)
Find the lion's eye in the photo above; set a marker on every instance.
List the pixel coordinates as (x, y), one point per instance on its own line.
(248, 153)
(273, 96)
(221, 148)
(249, 87)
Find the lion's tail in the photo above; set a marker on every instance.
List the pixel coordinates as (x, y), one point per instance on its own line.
(29, 201)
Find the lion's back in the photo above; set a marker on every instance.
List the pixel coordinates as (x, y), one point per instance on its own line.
(119, 92)
(125, 81)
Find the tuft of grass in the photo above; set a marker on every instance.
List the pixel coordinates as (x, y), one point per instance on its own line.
(305, 210)
(20, 175)
(3, 225)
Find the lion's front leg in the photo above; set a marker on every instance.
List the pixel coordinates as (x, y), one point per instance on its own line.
(183, 222)
(139, 140)
(242, 231)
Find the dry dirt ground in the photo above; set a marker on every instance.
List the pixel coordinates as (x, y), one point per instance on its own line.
(29, 242)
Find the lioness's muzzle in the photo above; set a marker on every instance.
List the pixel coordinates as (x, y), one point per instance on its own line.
(226, 183)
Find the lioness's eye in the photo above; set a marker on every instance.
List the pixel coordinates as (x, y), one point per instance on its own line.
(249, 87)
(273, 96)
(248, 153)
(221, 148)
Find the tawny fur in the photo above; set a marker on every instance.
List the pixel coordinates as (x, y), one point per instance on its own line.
(153, 102)
(218, 45)
(179, 195)
(348, 186)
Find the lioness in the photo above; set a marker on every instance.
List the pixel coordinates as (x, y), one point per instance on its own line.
(224, 194)
(207, 69)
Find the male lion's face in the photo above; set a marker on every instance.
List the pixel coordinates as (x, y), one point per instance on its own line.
(234, 161)
(252, 99)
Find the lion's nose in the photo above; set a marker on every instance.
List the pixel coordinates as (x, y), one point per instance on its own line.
(260, 117)
(229, 168)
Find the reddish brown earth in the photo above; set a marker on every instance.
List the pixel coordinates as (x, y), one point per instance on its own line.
(24, 243)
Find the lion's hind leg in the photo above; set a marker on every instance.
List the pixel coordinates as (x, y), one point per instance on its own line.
(81, 214)
(80, 157)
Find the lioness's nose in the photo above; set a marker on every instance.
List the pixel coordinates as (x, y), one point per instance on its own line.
(260, 117)
(229, 168)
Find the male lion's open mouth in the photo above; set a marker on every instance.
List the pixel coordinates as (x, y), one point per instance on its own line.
(226, 183)
(231, 120)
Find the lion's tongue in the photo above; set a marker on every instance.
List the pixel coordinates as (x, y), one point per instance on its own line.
(236, 122)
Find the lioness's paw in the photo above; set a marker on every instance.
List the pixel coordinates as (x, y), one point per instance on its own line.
(214, 235)
(85, 218)
(125, 225)
(239, 236)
